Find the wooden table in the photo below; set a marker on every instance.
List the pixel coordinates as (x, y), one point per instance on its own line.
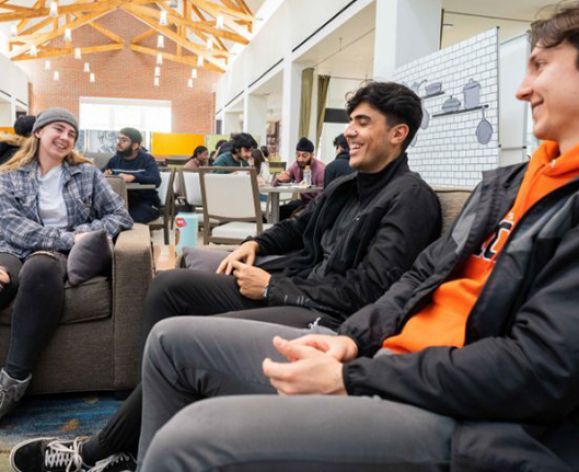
(273, 196)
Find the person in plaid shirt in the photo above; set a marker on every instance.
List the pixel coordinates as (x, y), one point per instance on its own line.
(50, 198)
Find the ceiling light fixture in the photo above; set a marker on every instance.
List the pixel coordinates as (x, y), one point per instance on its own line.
(157, 71)
(68, 35)
(33, 51)
(200, 61)
(92, 78)
(219, 21)
(13, 30)
(86, 67)
(77, 53)
(161, 41)
(156, 82)
(53, 9)
(193, 73)
(209, 44)
(190, 83)
(163, 18)
(56, 75)
(159, 59)
(47, 65)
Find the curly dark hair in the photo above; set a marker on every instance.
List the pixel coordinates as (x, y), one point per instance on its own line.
(395, 101)
(242, 140)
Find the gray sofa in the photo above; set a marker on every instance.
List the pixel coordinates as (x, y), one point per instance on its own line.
(97, 346)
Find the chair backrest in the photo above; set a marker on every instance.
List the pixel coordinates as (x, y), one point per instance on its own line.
(165, 190)
(191, 185)
(451, 202)
(118, 185)
(233, 196)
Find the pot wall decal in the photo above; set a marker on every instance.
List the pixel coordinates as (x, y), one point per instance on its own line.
(471, 92)
(451, 104)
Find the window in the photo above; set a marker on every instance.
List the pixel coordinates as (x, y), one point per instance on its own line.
(112, 114)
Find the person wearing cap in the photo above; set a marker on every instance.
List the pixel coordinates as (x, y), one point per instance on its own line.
(50, 198)
(133, 164)
(305, 161)
(10, 143)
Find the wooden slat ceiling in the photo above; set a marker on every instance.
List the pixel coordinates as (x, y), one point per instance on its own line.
(190, 25)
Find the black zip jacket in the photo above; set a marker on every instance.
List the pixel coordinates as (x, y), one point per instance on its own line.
(515, 383)
(399, 216)
(338, 167)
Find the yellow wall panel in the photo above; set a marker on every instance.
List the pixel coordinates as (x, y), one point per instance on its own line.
(175, 144)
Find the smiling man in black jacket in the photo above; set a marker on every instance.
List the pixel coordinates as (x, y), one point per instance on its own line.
(470, 362)
(348, 246)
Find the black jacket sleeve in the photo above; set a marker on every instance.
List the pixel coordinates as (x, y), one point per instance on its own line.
(411, 223)
(151, 174)
(531, 374)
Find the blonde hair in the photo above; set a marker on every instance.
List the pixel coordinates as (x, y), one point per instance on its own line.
(28, 152)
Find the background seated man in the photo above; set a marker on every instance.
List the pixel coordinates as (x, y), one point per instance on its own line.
(469, 362)
(10, 143)
(341, 164)
(305, 163)
(135, 165)
(339, 254)
(240, 151)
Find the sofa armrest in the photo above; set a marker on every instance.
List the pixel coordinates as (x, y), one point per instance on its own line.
(132, 275)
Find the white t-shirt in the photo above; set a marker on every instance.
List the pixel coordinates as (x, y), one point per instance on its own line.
(51, 206)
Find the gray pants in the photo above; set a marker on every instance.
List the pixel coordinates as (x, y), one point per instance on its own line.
(188, 359)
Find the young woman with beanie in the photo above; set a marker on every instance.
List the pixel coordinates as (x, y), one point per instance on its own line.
(50, 197)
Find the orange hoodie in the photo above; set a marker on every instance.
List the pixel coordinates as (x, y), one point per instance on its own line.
(443, 321)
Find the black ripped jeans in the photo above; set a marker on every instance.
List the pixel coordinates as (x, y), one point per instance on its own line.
(36, 289)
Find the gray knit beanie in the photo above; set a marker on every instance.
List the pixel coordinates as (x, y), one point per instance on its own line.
(50, 115)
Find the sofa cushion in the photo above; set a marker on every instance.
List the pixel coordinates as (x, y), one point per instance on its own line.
(89, 257)
(89, 301)
(451, 202)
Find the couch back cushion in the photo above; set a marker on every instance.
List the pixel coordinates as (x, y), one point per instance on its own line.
(451, 202)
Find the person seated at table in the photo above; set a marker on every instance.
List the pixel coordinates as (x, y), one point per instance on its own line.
(199, 158)
(341, 164)
(51, 197)
(305, 163)
(134, 165)
(10, 143)
(340, 254)
(241, 146)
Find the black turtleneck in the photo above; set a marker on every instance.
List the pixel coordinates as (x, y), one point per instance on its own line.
(370, 185)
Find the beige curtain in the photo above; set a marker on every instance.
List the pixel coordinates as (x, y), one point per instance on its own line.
(306, 101)
(323, 86)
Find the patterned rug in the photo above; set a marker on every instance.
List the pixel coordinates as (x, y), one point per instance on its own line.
(67, 415)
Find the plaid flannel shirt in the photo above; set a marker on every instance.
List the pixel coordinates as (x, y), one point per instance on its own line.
(90, 201)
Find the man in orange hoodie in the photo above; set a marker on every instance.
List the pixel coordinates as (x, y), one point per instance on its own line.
(470, 362)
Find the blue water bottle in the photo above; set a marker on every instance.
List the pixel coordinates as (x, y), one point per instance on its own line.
(186, 229)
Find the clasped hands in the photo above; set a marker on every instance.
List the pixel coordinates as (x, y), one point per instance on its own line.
(314, 367)
(251, 280)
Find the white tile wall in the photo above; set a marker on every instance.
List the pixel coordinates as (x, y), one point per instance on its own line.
(447, 153)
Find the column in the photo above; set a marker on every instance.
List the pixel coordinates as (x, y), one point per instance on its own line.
(405, 30)
(255, 116)
(290, 110)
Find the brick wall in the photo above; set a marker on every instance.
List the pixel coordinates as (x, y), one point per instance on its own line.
(448, 151)
(124, 74)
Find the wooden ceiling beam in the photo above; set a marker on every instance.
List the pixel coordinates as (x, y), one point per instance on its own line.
(107, 32)
(173, 36)
(141, 37)
(215, 9)
(61, 52)
(187, 60)
(22, 23)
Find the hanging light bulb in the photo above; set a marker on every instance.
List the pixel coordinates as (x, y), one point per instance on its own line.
(56, 75)
(161, 41)
(86, 67)
(193, 73)
(219, 22)
(53, 9)
(190, 83)
(77, 53)
(92, 77)
(33, 51)
(13, 30)
(159, 59)
(157, 71)
(163, 18)
(46, 65)
(156, 82)
(200, 61)
(68, 35)
(209, 44)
